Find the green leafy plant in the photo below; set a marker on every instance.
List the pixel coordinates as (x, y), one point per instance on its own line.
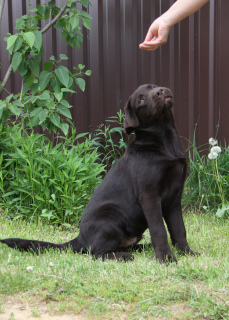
(219, 178)
(110, 140)
(207, 185)
(45, 88)
(42, 181)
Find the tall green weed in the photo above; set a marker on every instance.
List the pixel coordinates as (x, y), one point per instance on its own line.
(110, 140)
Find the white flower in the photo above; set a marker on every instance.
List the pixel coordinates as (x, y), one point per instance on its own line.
(216, 149)
(29, 269)
(213, 155)
(213, 141)
(51, 264)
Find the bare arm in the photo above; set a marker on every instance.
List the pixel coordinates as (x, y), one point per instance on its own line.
(159, 29)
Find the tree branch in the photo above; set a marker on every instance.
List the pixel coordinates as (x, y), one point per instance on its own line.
(2, 2)
(55, 19)
(9, 71)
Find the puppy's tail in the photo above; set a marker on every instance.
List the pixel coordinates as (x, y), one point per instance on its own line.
(40, 246)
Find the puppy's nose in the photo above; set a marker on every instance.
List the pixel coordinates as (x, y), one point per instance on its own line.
(159, 92)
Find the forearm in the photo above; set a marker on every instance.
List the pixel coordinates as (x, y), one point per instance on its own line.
(181, 9)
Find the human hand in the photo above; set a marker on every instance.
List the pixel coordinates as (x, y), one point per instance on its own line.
(156, 36)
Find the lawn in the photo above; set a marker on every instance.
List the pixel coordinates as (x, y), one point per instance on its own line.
(79, 287)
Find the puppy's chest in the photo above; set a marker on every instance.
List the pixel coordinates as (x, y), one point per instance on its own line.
(173, 179)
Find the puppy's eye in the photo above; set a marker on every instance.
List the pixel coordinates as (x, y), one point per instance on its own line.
(141, 100)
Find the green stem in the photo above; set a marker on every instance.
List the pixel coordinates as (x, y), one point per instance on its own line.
(216, 175)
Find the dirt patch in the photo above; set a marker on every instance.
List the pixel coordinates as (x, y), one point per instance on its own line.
(21, 311)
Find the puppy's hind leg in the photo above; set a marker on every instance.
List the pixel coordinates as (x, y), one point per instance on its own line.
(106, 245)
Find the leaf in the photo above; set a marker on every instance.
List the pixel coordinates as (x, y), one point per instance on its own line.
(58, 96)
(74, 21)
(65, 103)
(10, 41)
(63, 34)
(222, 211)
(55, 84)
(2, 106)
(70, 82)
(87, 23)
(61, 23)
(88, 72)
(29, 38)
(64, 111)
(44, 96)
(55, 119)
(64, 127)
(85, 14)
(5, 115)
(81, 83)
(79, 41)
(23, 68)
(15, 110)
(34, 66)
(51, 4)
(19, 23)
(63, 75)
(35, 116)
(85, 3)
(18, 44)
(67, 90)
(9, 97)
(63, 57)
(18, 103)
(38, 40)
(1, 110)
(44, 79)
(43, 115)
(40, 9)
(47, 65)
(34, 88)
(21, 154)
(36, 111)
(26, 87)
(17, 59)
(46, 13)
(52, 58)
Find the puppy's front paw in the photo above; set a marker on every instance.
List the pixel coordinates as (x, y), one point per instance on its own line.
(167, 258)
(189, 251)
(194, 253)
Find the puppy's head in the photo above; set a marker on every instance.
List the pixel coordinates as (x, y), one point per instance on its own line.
(147, 103)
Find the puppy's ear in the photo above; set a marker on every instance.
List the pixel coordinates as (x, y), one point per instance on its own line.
(131, 121)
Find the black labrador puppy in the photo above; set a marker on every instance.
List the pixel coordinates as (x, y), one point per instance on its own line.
(140, 190)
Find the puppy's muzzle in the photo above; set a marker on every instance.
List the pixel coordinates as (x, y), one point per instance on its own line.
(163, 94)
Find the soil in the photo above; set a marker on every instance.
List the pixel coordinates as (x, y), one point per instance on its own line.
(20, 311)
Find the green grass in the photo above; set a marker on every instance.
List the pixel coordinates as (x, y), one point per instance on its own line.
(195, 288)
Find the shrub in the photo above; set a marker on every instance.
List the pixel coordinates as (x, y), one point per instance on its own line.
(42, 181)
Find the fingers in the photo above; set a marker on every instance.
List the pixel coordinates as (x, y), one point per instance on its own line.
(150, 45)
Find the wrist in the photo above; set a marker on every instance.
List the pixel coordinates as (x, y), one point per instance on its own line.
(168, 20)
